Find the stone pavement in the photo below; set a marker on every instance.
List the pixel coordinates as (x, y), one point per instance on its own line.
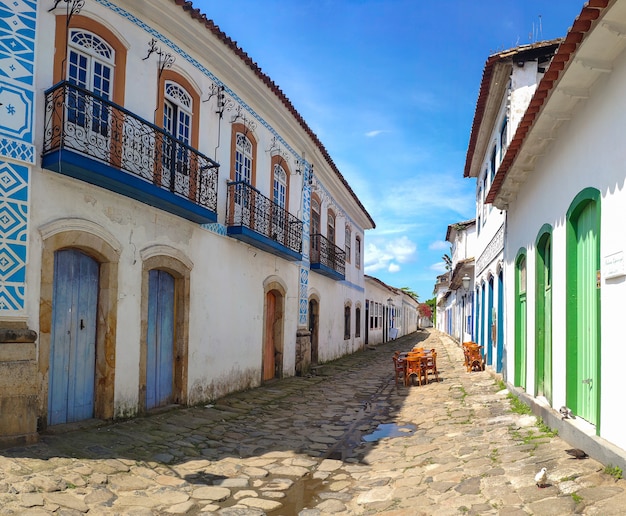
(343, 442)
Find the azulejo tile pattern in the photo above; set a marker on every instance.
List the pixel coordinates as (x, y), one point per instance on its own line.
(13, 235)
(304, 300)
(17, 60)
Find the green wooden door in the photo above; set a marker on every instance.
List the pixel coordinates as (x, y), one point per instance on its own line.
(587, 311)
(543, 319)
(520, 322)
(583, 343)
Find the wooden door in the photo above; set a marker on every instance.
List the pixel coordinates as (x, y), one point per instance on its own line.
(520, 323)
(490, 323)
(313, 328)
(543, 316)
(269, 348)
(73, 337)
(587, 381)
(500, 328)
(160, 345)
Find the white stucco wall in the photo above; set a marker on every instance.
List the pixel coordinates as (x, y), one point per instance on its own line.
(227, 297)
(589, 152)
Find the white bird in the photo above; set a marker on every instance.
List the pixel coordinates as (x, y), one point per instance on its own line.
(541, 478)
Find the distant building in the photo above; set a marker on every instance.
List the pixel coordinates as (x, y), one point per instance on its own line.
(390, 312)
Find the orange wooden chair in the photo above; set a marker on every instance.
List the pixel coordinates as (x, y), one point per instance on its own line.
(399, 367)
(414, 371)
(429, 365)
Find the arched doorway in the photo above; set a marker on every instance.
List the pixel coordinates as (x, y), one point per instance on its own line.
(160, 339)
(273, 335)
(500, 330)
(543, 315)
(491, 321)
(77, 265)
(72, 373)
(314, 308)
(520, 320)
(583, 306)
(163, 359)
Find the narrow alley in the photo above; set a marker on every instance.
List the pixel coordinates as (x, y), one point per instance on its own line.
(346, 441)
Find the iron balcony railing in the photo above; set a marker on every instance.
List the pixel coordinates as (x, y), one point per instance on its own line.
(96, 128)
(250, 209)
(324, 252)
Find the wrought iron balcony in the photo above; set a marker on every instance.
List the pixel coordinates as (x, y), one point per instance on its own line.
(327, 258)
(92, 139)
(259, 221)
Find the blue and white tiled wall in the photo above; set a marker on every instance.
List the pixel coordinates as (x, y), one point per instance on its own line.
(17, 151)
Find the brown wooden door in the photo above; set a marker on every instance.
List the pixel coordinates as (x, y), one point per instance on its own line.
(269, 349)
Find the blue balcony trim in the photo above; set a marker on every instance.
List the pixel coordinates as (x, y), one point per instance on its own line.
(262, 242)
(327, 271)
(100, 174)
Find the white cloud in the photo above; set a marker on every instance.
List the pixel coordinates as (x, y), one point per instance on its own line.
(439, 267)
(371, 134)
(439, 245)
(389, 255)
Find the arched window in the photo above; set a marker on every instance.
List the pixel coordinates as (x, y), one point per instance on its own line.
(243, 158)
(315, 216)
(314, 228)
(331, 227)
(357, 322)
(177, 116)
(177, 110)
(348, 244)
(90, 65)
(280, 197)
(280, 186)
(94, 53)
(357, 252)
(346, 322)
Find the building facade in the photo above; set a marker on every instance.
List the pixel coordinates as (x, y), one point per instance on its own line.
(562, 186)
(172, 228)
(389, 312)
(509, 80)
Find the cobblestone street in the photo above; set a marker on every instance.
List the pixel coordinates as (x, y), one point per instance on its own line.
(345, 441)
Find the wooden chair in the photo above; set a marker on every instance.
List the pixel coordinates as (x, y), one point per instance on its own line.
(429, 365)
(474, 360)
(414, 370)
(398, 368)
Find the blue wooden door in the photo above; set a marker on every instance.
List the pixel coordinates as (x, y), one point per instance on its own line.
(490, 322)
(160, 346)
(73, 337)
(500, 332)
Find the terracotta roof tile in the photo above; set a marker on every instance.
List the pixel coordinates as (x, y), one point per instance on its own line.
(485, 83)
(196, 14)
(591, 11)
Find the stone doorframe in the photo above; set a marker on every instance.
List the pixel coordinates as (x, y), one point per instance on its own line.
(174, 262)
(95, 241)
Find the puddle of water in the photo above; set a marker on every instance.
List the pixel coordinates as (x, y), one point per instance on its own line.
(301, 495)
(387, 430)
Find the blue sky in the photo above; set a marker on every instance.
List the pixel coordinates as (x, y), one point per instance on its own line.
(390, 88)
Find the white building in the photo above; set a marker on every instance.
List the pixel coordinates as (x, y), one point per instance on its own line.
(562, 185)
(390, 312)
(442, 293)
(509, 80)
(460, 300)
(173, 229)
